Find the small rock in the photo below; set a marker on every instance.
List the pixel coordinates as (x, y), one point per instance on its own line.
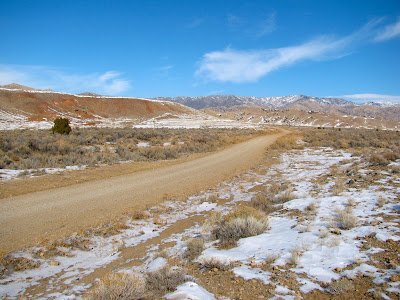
(215, 270)
(375, 223)
(275, 268)
(372, 234)
(339, 270)
(335, 231)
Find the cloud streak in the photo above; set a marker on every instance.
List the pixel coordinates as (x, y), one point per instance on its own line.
(110, 82)
(373, 97)
(389, 32)
(230, 65)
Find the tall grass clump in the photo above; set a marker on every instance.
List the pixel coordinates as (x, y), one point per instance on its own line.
(345, 219)
(118, 286)
(243, 222)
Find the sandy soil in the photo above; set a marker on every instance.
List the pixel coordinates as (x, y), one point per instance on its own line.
(29, 219)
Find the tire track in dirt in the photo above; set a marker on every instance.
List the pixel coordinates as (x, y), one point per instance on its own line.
(29, 219)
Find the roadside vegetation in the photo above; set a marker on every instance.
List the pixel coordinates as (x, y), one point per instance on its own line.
(35, 149)
(372, 155)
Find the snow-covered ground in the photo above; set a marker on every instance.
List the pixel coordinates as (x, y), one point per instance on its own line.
(324, 252)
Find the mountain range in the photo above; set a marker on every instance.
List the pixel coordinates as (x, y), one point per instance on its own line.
(389, 111)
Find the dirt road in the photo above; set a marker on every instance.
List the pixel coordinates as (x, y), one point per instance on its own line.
(28, 219)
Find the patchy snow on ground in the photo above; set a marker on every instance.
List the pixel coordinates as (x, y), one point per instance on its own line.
(324, 253)
(190, 290)
(7, 174)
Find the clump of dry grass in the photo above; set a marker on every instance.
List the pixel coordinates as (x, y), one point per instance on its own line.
(164, 280)
(212, 198)
(381, 201)
(395, 169)
(338, 187)
(10, 263)
(262, 202)
(341, 286)
(351, 202)
(216, 263)
(270, 258)
(295, 255)
(311, 207)
(123, 286)
(323, 233)
(243, 222)
(140, 215)
(345, 219)
(194, 248)
(287, 142)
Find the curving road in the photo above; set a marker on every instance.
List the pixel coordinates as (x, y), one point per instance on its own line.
(28, 219)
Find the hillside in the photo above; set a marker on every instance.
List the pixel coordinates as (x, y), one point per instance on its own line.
(298, 117)
(19, 104)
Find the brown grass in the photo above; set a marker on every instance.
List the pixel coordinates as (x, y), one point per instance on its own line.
(37, 149)
(194, 248)
(243, 222)
(115, 286)
(345, 219)
(341, 286)
(164, 280)
(215, 263)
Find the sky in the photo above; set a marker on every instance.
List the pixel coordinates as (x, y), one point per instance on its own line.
(348, 49)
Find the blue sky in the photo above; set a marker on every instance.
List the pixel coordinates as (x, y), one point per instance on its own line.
(197, 48)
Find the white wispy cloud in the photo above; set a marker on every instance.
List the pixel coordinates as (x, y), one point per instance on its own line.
(111, 82)
(254, 28)
(389, 32)
(373, 97)
(195, 23)
(267, 25)
(230, 65)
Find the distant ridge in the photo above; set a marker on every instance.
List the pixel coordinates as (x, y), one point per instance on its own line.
(16, 86)
(388, 111)
(268, 102)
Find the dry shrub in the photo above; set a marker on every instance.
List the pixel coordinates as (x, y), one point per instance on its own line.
(338, 187)
(279, 193)
(216, 263)
(11, 263)
(140, 215)
(123, 286)
(351, 202)
(73, 241)
(345, 219)
(287, 142)
(381, 201)
(262, 202)
(194, 248)
(270, 258)
(243, 222)
(395, 169)
(35, 149)
(283, 197)
(323, 233)
(378, 160)
(311, 207)
(341, 286)
(159, 221)
(212, 198)
(214, 218)
(391, 156)
(295, 255)
(164, 280)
